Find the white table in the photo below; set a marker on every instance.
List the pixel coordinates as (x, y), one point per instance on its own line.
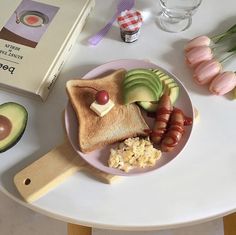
(197, 186)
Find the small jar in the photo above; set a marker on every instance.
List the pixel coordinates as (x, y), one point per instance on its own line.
(130, 22)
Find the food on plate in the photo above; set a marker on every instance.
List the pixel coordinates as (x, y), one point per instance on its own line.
(13, 121)
(144, 74)
(107, 111)
(158, 82)
(102, 109)
(169, 86)
(102, 97)
(174, 132)
(141, 85)
(133, 153)
(169, 125)
(122, 122)
(102, 103)
(162, 118)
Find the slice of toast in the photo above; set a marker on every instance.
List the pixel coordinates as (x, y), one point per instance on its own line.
(123, 121)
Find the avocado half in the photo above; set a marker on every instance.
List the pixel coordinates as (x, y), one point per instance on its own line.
(13, 121)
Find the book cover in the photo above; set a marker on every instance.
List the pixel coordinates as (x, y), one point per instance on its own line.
(35, 40)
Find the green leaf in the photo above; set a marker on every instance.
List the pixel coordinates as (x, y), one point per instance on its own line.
(232, 29)
(232, 49)
(225, 35)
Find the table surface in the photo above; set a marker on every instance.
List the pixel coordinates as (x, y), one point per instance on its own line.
(197, 186)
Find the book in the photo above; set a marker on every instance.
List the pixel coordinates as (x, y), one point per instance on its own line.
(36, 38)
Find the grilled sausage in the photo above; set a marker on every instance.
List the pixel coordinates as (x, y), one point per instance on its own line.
(174, 131)
(162, 117)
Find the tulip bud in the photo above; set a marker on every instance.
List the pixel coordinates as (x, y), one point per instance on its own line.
(223, 83)
(197, 55)
(206, 71)
(198, 41)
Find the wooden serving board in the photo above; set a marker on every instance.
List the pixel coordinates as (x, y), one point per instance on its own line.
(54, 167)
(50, 170)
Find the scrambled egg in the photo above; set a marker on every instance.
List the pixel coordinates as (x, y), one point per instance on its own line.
(133, 153)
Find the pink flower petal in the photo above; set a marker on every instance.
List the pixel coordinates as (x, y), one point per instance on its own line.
(197, 55)
(223, 83)
(206, 71)
(198, 41)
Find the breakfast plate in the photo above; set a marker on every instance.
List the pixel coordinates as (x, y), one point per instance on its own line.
(99, 158)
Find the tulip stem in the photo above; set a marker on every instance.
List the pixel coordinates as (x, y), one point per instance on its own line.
(222, 37)
(216, 37)
(216, 46)
(225, 35)
(227, 57)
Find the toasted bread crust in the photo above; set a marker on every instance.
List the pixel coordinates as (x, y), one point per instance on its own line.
(122, 122)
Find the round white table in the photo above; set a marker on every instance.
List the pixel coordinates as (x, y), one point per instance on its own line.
(197, 186)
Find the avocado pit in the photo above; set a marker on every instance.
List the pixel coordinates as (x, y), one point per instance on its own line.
(5, 127)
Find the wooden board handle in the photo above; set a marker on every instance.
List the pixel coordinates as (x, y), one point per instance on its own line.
(50, 170)
(47, 172)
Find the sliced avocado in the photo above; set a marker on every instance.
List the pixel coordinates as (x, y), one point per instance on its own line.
(162, 75)
(158, 72)
(174, 94)
(142, 76)
(140, 70)
(148, 74)
(138, 92)
(172, 84)
(13, 120)
(168, 81)
(168, 86)
(173, 91)
(148, 106)
(152, 106)
(143, 82)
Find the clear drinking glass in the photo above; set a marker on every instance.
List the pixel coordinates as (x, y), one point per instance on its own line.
(176, 15)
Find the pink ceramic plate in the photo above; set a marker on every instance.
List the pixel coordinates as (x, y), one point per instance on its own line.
(99, 158)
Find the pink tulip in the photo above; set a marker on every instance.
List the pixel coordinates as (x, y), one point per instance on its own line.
(198, 41)
(197, 55)
(206, 71)
(223, 83)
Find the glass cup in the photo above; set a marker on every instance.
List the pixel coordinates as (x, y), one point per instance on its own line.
(176, 15)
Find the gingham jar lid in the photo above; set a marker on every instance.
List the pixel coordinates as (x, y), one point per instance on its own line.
(130, 20)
